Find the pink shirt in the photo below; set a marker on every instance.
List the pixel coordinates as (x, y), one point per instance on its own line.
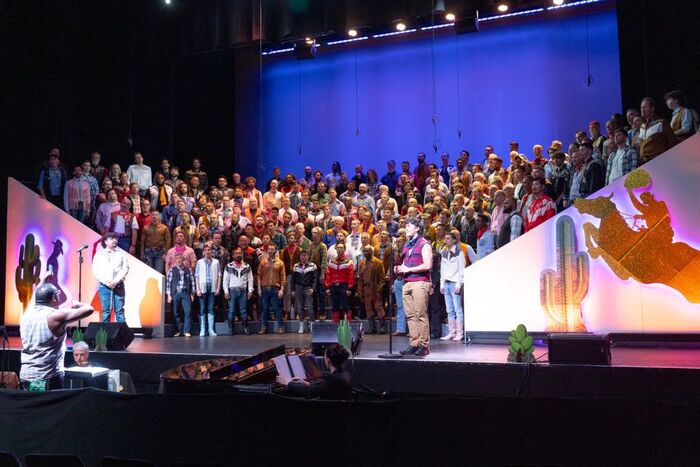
(187, 252)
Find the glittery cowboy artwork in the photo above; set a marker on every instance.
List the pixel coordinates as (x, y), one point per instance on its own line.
(644, 251)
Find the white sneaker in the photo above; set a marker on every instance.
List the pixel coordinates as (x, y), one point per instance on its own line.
(301, 327)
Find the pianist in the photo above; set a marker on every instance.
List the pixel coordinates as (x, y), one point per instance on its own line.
(336, 384)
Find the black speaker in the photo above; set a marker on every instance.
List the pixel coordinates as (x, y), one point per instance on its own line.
(305, 51)
(468, 23)
(119, 336)
(325, 334)
(581, 349)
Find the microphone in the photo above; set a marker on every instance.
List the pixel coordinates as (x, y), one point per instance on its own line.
(84, 247)
(3, 334)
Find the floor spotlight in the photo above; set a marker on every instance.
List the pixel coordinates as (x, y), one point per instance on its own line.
(450, 17)
(309, 41)
(400, 26)
(352, 32)
(503, 7)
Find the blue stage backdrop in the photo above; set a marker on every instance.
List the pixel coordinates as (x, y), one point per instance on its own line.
(524, 81)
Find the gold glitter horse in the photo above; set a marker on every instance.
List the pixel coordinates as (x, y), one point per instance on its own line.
(646, 254)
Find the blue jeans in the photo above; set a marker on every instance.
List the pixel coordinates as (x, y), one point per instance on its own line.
(154, 258)
(206, 304)
(270, 299)
(238, 297)
(78, 214)
(107, 296)
(124, 242)
(184, 299)
(400, 314)
(453, 301)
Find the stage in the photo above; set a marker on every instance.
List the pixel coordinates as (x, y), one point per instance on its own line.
(654, 371)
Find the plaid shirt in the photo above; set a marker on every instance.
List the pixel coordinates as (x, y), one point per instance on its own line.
(183, 274)
(620, 163)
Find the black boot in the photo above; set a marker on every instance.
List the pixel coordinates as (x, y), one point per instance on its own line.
(382, 326)
(246, 331)
(230, 327)
(371, 325)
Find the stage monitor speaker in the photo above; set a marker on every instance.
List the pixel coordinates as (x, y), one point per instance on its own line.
(119, 336)
(468, 23)
(305, 51)
(325, 334)
(579, 349)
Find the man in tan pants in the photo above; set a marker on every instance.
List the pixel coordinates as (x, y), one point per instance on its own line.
(417, 262)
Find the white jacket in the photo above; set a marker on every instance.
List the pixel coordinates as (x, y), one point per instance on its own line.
(452, 265)
(200, 275)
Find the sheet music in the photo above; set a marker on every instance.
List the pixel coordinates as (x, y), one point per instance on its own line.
(282, 366)
(297, 366)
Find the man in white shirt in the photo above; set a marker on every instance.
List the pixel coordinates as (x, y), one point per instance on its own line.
(110, 267)
(238, 289)
(452, 265)
(623, 160)
(207, 275)
(140, 173)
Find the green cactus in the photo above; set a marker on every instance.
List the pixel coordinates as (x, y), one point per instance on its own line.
(344, 334)
(101, 340)
(521, 345)
(77, 335)
(28, 270)
(562, 292)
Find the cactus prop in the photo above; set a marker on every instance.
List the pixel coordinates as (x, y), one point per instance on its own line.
(344, 334)
(77, 335)
(521, 345)
(562, 291)
(28, 270)
(101, 340)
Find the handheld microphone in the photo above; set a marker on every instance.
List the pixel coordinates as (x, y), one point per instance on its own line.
(84, 247)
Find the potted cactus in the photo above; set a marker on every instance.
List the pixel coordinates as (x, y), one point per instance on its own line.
(521, 346)
(101, 340)
(77, 335)
(345, 335)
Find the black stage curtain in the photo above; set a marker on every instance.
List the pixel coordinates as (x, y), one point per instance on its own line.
(266, 430)
(659, 50)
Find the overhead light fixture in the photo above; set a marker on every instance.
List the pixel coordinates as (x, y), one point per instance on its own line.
(352, 32)
(502, 7)
(400, 26)
(558, 2)
(450, 17)
(167, 2)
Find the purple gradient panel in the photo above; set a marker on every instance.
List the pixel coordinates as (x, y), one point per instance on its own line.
(525, 82)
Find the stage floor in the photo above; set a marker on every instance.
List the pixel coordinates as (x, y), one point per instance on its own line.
(374, 345)
(659, 373)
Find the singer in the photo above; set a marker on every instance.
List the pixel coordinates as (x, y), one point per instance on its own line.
(417, 262)
(110, 267)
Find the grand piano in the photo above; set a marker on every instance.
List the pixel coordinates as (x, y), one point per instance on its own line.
(256, 373)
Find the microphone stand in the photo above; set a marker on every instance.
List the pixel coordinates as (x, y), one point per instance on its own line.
(4, 356)
(391, 354)
(80, 278)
